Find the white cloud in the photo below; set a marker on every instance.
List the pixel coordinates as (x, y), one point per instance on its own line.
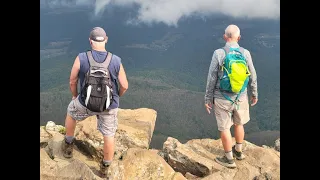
(171, 11)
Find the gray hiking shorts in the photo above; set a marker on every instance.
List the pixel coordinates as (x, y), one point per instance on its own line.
(107, 120)
(228, 114)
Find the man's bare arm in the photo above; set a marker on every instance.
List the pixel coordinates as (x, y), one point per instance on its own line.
(74, 77)
(122, 81)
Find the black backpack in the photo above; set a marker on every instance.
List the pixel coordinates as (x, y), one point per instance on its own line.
(96, 91)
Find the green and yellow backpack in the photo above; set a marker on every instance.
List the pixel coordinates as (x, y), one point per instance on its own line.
(236, 74)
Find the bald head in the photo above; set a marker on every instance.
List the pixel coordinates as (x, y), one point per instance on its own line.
(232, 32)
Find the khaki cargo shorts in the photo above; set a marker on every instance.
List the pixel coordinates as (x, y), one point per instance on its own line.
(107, 120)
(228, 114)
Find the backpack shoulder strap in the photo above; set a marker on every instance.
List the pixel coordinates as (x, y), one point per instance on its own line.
(92, 62)
(108, 59)
(105, 63)
(241, 49)
(226, 50)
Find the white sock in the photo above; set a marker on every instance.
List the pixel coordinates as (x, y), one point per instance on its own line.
(229, 155)
(239, 147)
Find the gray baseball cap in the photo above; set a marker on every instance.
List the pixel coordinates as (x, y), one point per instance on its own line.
(98, 34)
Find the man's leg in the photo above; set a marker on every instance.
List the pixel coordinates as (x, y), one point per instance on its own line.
(226, 139)
(239, 136)
(70, 125)
(67, 145)
(108, 148)
(107, 125)
(241, 117)
(75, 112)
(222, 109)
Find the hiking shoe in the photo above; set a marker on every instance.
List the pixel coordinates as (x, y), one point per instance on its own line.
(104, 169)
(67, 149)
(238, 155)
(224, 161)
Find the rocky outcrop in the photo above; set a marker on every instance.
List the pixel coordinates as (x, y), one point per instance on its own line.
(193, 160)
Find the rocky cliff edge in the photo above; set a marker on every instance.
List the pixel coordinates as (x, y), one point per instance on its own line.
(133, 159)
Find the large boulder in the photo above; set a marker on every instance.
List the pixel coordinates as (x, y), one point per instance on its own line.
(195, 159)
(142, 164)
(135, 129)
(184, 159)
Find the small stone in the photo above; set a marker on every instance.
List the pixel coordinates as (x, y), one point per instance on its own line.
(50, 126)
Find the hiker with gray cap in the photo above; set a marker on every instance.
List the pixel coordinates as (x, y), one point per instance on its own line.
(102, 81)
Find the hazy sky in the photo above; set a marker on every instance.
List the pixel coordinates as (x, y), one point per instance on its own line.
(170, 11)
